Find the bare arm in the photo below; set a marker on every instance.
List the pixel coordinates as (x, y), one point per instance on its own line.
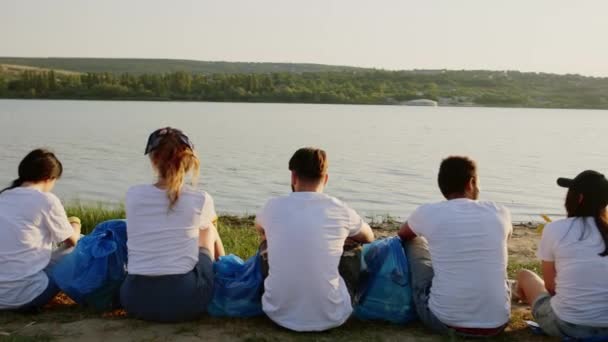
(406, 233)
(261, 231)
(73, 240)
(365, 235)
(549, 273)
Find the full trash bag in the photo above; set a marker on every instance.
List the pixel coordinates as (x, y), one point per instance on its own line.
(237, 288)
(386, 292)
(92, 274)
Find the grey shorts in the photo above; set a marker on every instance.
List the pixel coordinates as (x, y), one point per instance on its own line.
(553, 326)
(170, 298)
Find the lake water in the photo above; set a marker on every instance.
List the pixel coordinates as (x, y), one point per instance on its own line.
(383, 159)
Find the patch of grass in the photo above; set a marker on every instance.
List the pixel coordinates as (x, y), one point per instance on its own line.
(514, 267)
(90, 215)
(239, 235)
(41, 337)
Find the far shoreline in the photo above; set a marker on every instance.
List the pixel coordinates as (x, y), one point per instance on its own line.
(153, 100)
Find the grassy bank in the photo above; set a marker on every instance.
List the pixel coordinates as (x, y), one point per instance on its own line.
(237, 232)
(65, 321)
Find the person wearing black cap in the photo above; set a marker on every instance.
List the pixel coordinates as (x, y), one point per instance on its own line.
(571, 300)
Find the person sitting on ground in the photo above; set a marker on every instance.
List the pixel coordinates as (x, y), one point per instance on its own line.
(172, 240)
(305, 233)
(34, 223)
(457, 250)
(572, 298)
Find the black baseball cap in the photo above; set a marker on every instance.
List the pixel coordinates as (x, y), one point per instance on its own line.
(588, 181)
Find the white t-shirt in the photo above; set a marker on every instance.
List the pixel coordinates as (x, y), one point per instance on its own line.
(581, 284)
(30, 222)
(306, 232)
(468, 246)
(163, 241)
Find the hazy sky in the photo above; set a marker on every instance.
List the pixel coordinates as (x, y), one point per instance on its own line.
(562, 36)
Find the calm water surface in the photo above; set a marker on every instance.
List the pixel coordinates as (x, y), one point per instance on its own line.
(383, 159)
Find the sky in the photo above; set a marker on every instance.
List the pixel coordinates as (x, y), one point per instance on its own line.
(557, 36)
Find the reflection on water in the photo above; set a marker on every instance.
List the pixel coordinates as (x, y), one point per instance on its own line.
(383, 159)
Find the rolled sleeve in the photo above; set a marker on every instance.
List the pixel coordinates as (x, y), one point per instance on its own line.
(355, 222)
(546, 245)
(56, 221)
(416, 221)
(208, 214)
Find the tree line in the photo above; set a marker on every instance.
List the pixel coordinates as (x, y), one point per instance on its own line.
(492, 88)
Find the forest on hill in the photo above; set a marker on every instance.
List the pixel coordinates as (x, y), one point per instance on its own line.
(356, 86)
(139, 66)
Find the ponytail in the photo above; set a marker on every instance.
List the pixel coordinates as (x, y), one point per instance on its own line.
(602, 225)
(173, 160)
(15, 184)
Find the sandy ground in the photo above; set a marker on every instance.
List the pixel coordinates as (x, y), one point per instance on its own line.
(66, 322)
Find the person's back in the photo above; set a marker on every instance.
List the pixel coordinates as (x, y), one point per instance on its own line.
(459, 278)
(581, 294)
(305, 233)
(33, 222)
(571, 298)
(160, 240)
(172, 241)
(468, 246)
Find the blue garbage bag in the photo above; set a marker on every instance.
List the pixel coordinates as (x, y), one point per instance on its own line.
(92, 274)
(386, 292)
(238, 287)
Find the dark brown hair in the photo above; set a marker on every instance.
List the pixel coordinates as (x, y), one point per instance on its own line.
(454, 174)
(37, 166)
(309, 163)
(593, 205)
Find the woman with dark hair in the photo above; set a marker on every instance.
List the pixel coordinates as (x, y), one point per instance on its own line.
(172, 239)
(32, 221)
(571, 300)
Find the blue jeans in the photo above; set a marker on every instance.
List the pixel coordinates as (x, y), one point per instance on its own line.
(170, 298)
(51, 289)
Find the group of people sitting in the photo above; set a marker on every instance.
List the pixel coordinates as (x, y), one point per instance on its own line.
(456, 248)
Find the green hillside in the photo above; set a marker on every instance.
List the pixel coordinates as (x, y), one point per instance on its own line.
(161, 66)
(260, 82)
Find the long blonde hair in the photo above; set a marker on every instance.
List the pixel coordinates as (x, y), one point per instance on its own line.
(173, 161)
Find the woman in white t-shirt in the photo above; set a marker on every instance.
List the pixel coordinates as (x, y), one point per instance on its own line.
(32, 221)
(172, 240)
(572, 298)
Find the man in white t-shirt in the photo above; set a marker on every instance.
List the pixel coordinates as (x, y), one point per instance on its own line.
(305, 233)
(457, 250)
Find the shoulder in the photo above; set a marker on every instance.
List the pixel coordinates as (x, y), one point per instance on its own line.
(49, 199)
(559, 227)
(430, 208)
(188, 190)
(139, 190)
(500, 209)
(276, 201)
(338, 204)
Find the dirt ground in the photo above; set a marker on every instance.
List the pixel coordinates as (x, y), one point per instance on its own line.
(64, 321)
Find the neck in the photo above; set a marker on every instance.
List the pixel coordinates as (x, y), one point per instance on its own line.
(309, 188)
(34, 185)
(456, 196)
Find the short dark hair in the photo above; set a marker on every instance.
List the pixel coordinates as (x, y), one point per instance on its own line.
(309, 163)
(454, 174)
